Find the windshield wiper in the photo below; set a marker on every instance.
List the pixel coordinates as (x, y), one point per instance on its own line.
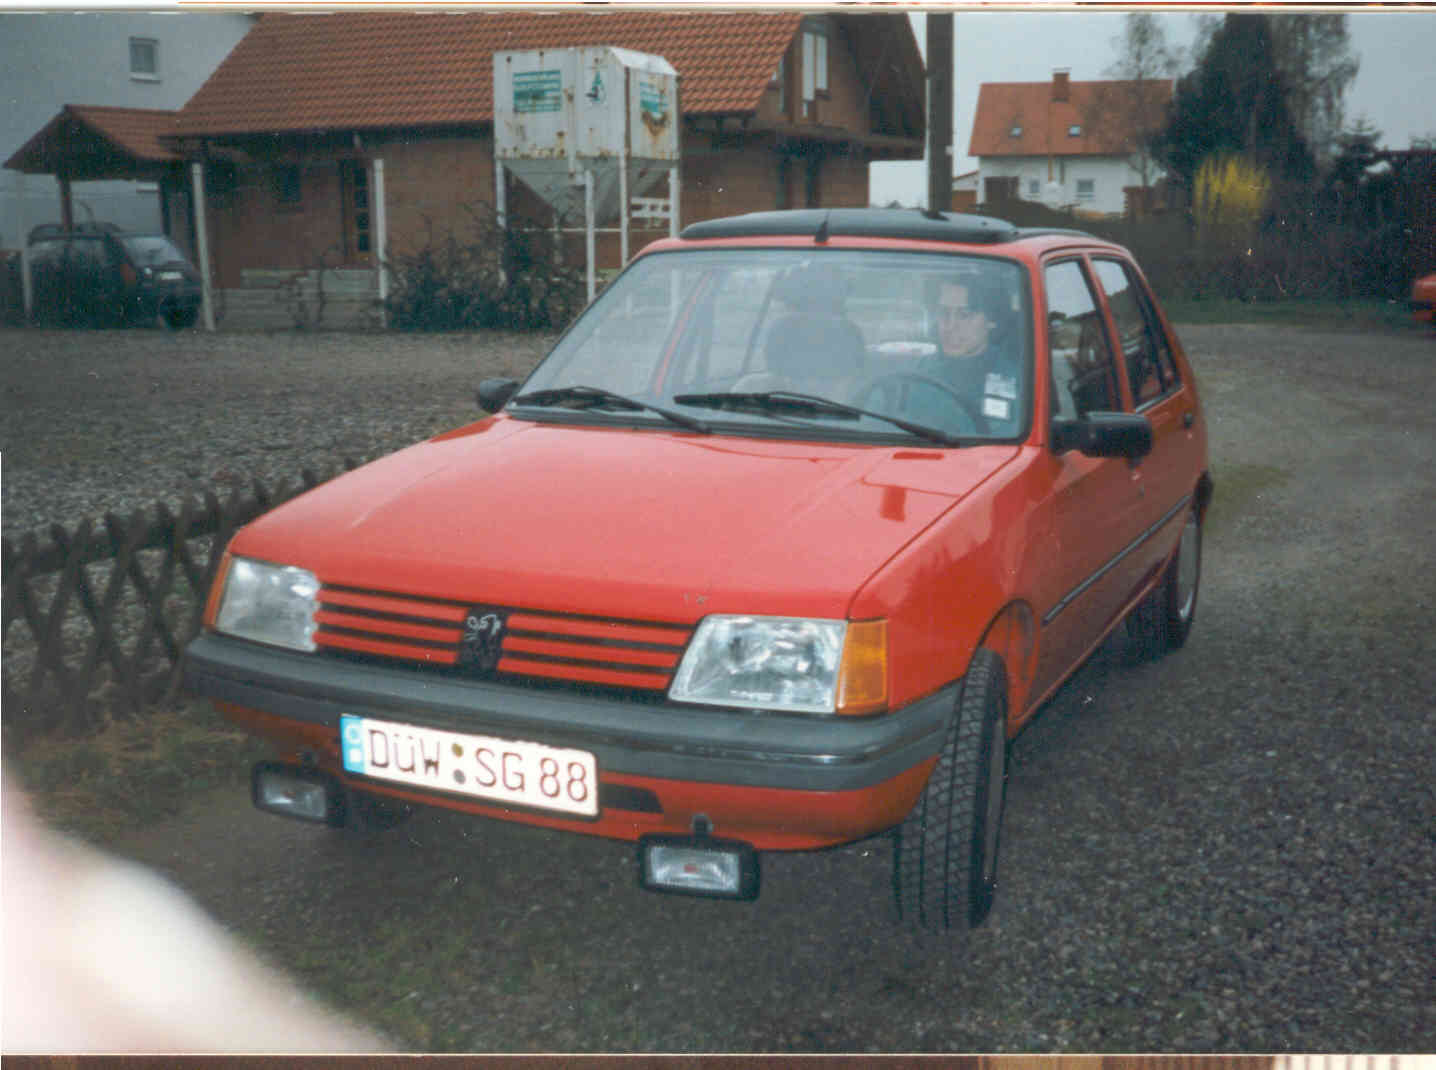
(791, 403)
(596, 396)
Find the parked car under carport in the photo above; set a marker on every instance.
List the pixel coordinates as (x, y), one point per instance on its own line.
(96, 274)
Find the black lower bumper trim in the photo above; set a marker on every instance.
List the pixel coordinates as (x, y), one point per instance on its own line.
(662, 740)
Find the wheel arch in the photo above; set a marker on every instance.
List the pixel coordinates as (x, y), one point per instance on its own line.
(1012, 636)
(1206, 489)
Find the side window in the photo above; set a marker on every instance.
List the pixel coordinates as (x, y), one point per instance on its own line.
(1150, 368)
(47, 253)
(1083, 375)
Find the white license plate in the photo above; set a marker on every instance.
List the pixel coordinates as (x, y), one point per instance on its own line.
(501, 770)
(171, 276)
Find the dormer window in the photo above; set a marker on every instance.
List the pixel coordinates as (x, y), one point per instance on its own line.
(1016, 130)
(1075, 130)
(144, 59)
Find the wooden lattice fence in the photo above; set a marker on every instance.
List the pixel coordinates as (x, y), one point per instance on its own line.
(95, 620)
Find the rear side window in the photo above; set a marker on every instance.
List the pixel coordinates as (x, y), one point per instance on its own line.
(91, 253)
(1145, 350)
(1083, 373)
(50, 251)
(151, 250)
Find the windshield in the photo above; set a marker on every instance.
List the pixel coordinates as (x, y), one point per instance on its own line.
(905, 343)
(151, 250)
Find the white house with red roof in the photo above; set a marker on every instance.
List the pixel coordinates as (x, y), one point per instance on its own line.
(1067, 144)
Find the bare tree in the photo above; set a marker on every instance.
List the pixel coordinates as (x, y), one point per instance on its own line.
(1313, 56)
(1137, 103)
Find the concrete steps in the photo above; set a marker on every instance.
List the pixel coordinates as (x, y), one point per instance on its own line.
(279, 300)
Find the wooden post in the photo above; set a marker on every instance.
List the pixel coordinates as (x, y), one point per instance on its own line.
(67, 211)
(588, 239)
(939, 112)
(196, 171)
(500, 209)
(381, 238)
(623, 202)
(27, 286)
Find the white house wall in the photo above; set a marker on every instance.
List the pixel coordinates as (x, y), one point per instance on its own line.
(51, 59)
(1109, 174)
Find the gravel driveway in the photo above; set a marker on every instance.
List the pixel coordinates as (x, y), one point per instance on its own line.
(1228, 850)
(114, 420)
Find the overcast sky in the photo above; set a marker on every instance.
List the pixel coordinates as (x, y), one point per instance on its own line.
(1395, 88)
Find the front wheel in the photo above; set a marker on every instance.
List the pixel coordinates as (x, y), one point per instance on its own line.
(945, 852)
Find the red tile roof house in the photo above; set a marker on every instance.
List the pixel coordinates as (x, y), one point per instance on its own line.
(779, 109)
(1067, 144)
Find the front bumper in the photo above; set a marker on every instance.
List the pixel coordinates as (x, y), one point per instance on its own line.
(775, 780)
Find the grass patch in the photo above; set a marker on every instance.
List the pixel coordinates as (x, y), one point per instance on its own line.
(1362, 314)
(134, 771)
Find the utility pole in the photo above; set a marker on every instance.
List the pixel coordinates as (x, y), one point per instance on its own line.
(939, 112)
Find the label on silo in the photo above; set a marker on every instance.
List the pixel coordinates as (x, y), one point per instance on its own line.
(652, 104)
(538, 91)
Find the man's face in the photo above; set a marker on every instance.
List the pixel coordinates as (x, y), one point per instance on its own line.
(961, 329)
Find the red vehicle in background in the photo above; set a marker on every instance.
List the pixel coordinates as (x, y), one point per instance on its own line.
(1423, 299)
(789, 535)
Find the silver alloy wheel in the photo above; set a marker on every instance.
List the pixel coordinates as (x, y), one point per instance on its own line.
(1189, 563)
(996, 779)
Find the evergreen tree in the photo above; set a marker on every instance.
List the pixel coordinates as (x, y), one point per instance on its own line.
(1235, 102)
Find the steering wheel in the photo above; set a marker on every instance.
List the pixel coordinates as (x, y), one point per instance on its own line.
(894, 390)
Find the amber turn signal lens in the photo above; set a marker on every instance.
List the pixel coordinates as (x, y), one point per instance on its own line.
(211, 605)
(863, 676)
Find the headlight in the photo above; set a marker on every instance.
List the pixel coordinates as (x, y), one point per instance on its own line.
(269, 604)
(783, 663)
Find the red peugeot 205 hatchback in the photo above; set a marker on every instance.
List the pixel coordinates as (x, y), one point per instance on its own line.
(778, 548)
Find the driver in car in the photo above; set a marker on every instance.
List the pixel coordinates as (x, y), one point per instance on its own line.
(969, 360)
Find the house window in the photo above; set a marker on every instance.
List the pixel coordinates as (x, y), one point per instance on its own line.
(1075, 130)
(1000, 189)
(144, 59)
(815, 59)
(354, 181)
(1034, 187)
(1086, 189)
(1016, 130)
(287, 188)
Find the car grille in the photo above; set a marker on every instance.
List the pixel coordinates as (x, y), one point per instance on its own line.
(555, 646)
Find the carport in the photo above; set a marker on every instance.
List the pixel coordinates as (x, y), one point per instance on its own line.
(86, 144)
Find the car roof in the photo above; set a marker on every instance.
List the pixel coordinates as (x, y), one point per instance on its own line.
(46, 231)
(897, 224)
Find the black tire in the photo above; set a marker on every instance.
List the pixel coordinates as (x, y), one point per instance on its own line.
(1163, 620)
(179, 318)
(945, 852)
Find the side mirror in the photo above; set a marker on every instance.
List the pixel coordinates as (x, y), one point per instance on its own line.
(494, 394)
(1105, 434)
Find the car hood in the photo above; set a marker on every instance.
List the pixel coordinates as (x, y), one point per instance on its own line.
(640, 523)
